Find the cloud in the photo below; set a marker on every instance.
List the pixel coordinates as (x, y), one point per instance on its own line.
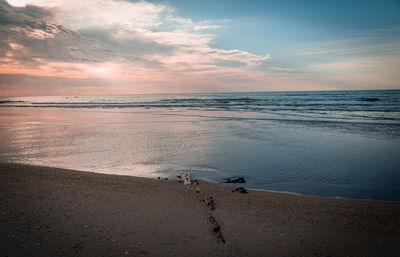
(130, 42)
(372, 42)
(143, 47)
(100, 30)
(18, 84)
(43, 33)
(362, 59)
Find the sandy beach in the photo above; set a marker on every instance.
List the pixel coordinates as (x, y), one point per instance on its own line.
(57, 212)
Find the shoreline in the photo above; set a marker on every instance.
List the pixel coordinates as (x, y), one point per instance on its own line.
(57, 212)
(205, 180)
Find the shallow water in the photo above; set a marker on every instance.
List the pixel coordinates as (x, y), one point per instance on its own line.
(320, 143)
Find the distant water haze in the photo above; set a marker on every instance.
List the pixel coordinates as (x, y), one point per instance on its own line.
(331, 143)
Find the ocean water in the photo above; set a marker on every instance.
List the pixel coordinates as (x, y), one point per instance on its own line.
(330, 143)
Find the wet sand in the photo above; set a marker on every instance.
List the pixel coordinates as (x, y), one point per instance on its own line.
(55, 212)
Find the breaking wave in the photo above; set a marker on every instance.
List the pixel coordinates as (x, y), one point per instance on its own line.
(356, 106)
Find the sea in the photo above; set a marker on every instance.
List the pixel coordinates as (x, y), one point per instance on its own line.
(325, 143)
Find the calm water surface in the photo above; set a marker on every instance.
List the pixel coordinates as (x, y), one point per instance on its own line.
(344, 144)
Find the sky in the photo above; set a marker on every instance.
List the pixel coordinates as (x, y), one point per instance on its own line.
(62, 47)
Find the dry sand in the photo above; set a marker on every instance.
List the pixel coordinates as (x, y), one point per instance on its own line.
(56, 212)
